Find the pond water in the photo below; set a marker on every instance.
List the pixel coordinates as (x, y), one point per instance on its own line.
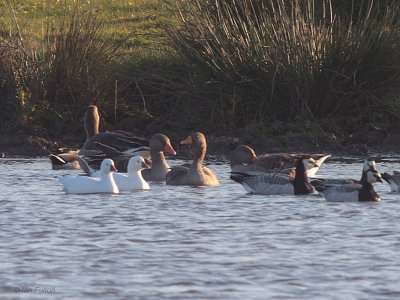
(201, 243)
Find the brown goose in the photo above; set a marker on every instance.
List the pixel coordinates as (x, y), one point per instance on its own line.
(104, 143)
(117, 139)
(196, 174)
(159, 166)
(243, 159)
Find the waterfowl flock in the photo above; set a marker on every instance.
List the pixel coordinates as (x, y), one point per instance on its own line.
(119, 161)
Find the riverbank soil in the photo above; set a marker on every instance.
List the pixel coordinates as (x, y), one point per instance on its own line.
(33, 143)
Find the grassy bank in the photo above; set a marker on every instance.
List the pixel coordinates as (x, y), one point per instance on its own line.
(269, 66)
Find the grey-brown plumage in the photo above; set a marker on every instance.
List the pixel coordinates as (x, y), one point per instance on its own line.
(196, 174)
(100, 144)
(244, 159)
(118, 139)
(159, 143)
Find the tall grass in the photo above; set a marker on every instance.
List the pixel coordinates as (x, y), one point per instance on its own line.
(9, 106)
(296, 60)
(70, 54)
(71, 65)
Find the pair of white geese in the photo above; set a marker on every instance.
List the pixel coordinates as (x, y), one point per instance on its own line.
(266, 174)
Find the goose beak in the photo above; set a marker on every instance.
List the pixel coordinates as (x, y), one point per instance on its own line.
(113, 168)
(145, 166)
(169, 149)
(187, 141)
(147, 162)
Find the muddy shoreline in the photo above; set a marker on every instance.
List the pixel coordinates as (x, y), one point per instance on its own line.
(362, 143)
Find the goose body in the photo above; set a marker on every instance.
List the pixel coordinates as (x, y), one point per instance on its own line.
(270, 184)
(88, 185)
(120, 158)
(133, 180)
(243, 159)
(64, 161)
(367, 165)
(363, 191)
(196, 174)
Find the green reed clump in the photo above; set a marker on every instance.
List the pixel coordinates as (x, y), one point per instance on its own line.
(295, 59)
(9, 104)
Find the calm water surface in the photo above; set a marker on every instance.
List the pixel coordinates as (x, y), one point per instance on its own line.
(197, 243)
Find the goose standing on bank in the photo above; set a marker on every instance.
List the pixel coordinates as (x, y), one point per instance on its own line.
(102, 144)
(196, 174)
(243, 159)
(363, 191)
(273, 184)
(87, 185)
(117, 139)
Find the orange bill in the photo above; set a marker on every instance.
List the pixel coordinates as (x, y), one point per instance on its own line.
(187, 141)
(169, 149)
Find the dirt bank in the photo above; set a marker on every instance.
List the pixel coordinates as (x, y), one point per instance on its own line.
(34, 144)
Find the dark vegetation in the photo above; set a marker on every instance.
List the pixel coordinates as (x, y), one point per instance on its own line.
(272, 66)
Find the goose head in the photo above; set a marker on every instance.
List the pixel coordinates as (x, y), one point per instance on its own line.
(306, 163)
(373, 176)
(160, 142)
(196, 139)
(369, 164)
(107, 166)
(137, 163)
(243, 155)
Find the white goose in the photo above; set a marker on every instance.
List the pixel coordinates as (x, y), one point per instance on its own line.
(363, 191)
(273, 184)
(88, 185)
(133, 180)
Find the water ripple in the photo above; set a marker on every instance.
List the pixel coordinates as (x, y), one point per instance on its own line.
(202, 243)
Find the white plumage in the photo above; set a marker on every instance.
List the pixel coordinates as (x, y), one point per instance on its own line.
(87, 185)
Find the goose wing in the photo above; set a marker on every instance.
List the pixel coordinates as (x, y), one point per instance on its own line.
(265, 184)
(176, 175)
